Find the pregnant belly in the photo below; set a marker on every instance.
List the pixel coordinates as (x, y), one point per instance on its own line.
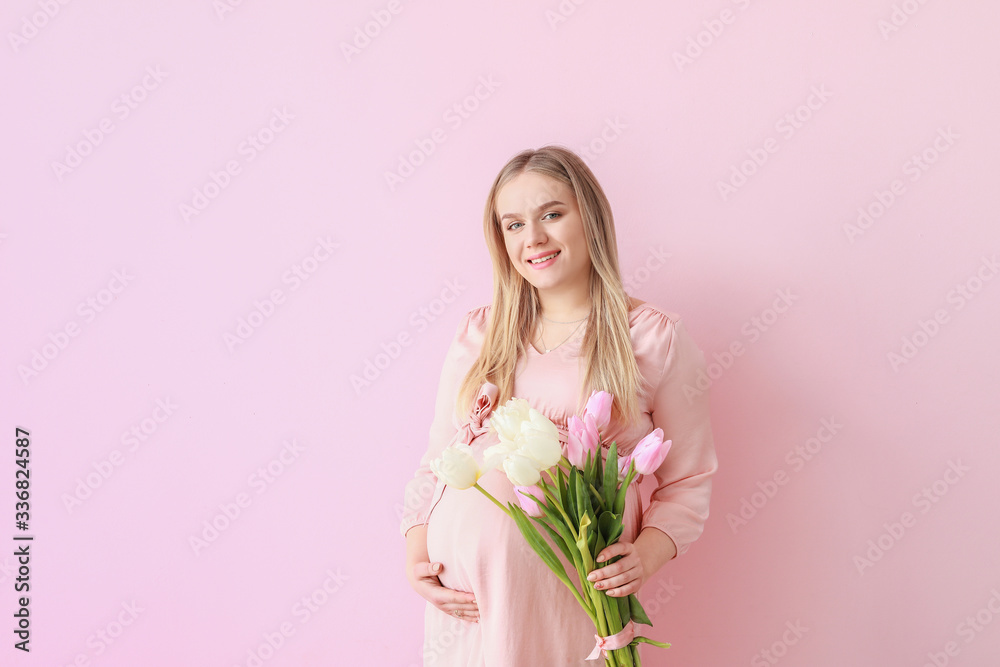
(471, 536)
(475, 540)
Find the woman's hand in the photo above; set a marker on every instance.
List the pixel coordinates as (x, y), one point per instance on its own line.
(638, 564)
(623, 577)
(423, 577)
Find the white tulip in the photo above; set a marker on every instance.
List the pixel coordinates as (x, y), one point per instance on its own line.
(540, 440)
(529, 442)
(521, 470)
(494, 455)
(506, 420)
(457, 467)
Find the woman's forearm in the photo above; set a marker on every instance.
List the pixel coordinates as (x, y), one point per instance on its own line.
(416, 546)
(655, 548)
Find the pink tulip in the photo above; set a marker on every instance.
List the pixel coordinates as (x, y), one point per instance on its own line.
(599, 405)
(529, 505)
(650, 452)
(583, 439)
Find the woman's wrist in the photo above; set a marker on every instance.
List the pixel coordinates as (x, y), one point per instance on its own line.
(655, 548)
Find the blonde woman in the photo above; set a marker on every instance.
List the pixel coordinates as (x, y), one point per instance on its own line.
(559, 327)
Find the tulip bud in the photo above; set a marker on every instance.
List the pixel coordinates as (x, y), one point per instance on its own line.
(526, 496)
(521, 470)
(650, 452)
(456, 467)
(599, 405)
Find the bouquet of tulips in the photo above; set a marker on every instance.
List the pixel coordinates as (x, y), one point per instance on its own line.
(575, 496)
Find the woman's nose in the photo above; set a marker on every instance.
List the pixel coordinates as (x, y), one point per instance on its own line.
(536, 233)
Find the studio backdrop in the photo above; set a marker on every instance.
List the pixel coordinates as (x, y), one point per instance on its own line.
(238, 236)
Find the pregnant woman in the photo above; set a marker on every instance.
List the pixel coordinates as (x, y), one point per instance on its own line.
(560, 326)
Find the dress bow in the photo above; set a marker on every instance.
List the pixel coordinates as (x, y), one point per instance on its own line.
(478, 421)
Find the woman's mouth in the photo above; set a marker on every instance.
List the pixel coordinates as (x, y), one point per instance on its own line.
(542, 262)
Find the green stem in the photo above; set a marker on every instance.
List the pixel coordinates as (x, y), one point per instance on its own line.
(495, 501)
(558, 506)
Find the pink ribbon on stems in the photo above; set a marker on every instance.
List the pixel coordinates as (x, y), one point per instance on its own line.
(619, 640)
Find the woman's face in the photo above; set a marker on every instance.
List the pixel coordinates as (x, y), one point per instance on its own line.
(539, 217)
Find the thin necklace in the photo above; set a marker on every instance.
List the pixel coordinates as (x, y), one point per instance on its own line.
(547, 349)
(573, 322)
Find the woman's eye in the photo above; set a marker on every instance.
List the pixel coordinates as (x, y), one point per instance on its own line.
(511, 227)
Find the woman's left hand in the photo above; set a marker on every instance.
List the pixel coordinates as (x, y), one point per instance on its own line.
(623, 577)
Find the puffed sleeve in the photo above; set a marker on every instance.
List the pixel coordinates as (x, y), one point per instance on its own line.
(419, 492)
(679, 504)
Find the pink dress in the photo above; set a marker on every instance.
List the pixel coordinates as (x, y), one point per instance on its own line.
(527, 616)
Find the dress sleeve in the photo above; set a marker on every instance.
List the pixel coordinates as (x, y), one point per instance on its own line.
(419, 491)
(679, 504)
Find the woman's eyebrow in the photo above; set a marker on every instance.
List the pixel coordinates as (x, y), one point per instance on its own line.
(545, 205)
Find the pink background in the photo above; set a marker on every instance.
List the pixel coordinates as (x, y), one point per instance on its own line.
(132, 302)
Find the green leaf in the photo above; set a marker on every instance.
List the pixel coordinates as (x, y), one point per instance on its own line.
(570, 506)
(581, 542)
(624, 609)
(596, 499)
(611, 476)
(538, 543)
(619, 505)
(613, 537)
(607, 524)
(557, 488)
(556, 537)
(598, 468)
(583, 502)
(636, 611)
(647, 640)
(556, 521)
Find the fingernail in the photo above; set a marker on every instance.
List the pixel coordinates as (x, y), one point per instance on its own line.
(437, 567)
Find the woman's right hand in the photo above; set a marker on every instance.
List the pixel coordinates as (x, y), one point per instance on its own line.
(423, 578)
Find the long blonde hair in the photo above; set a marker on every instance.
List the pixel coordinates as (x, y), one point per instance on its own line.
(606, 347)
